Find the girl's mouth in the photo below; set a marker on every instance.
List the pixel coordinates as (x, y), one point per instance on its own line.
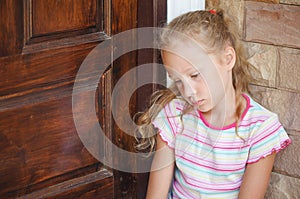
(197, 103)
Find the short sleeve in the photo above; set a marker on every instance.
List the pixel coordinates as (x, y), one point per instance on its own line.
(270, 137)
(168, 123)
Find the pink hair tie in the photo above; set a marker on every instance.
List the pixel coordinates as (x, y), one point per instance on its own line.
(213, 12)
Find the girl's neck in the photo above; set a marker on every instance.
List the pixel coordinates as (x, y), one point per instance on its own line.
(223, 114)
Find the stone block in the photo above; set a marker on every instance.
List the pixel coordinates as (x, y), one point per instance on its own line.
(266, 1)
(233, 8)
(288, 160)
(212, 4)
(264, 59)
(272, 23)
(284, 103)
(293, 2)
(283, 187)
(289, 69)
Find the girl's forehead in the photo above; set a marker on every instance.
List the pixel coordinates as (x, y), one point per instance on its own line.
(172, 60)
(189, 52)
(177, 66)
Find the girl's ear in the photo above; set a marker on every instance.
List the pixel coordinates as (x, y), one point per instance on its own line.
(229, 57)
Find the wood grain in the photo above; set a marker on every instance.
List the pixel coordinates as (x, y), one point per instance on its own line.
(40, 142)
(11, 34)
(94, 185)
(126, 19)
(42, 47)
(77, 15)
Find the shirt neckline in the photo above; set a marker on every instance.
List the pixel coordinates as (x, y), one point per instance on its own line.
(230, 125)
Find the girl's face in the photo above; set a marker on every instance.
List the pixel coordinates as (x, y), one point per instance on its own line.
(203, 80)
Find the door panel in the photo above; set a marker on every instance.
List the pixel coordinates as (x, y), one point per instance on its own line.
(42, 46)
(40, 153)
(95, 185)
(125, 182)
(41, 71)
(11, 24)
(51, 11)
(156, 17)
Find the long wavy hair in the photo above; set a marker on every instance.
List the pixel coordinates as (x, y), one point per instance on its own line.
(213, 30)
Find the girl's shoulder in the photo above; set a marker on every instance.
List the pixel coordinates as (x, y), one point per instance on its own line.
(266, 133)
(168, 120)
(256, 109)
(175, 107)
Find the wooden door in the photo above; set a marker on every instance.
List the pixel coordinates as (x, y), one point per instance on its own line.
(42, 46)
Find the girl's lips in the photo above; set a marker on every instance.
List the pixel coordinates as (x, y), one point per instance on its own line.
(198, 103)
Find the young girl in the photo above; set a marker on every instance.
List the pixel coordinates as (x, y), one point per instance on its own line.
(213, 140)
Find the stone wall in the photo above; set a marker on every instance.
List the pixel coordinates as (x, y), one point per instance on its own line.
(270, 30)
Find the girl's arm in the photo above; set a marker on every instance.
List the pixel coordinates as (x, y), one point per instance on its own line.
(256, 178)
(162, 168)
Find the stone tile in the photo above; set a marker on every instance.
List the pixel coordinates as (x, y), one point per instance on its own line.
(295, 2)
(266, 1)
(234, 9)
(212, 4)
(283, 187)
(288, 160)
(284, 103)
(264, 59)
(272, 23)
(289, 69)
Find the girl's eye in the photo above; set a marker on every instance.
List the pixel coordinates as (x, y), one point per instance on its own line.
(195, 75)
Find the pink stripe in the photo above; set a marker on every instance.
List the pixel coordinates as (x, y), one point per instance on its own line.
(242, 164)
(220, 143)
(182, 191)
(285, 144)
(179, 109)
(165, 140)
(234, 185)
(264, 117)
(209, 188)
(169, 121)
(267, 134)
(249, 124)
(212, 168)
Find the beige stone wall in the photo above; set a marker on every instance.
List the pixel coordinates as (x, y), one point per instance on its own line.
(270, 30)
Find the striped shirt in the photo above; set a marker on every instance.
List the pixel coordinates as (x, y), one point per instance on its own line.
(210, 162)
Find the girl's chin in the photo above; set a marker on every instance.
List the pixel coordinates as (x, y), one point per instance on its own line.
(199, 104)
(202, 109)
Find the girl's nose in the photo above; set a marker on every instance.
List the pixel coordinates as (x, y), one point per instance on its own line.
(189, 90)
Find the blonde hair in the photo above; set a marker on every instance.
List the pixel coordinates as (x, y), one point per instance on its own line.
(213, 30)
